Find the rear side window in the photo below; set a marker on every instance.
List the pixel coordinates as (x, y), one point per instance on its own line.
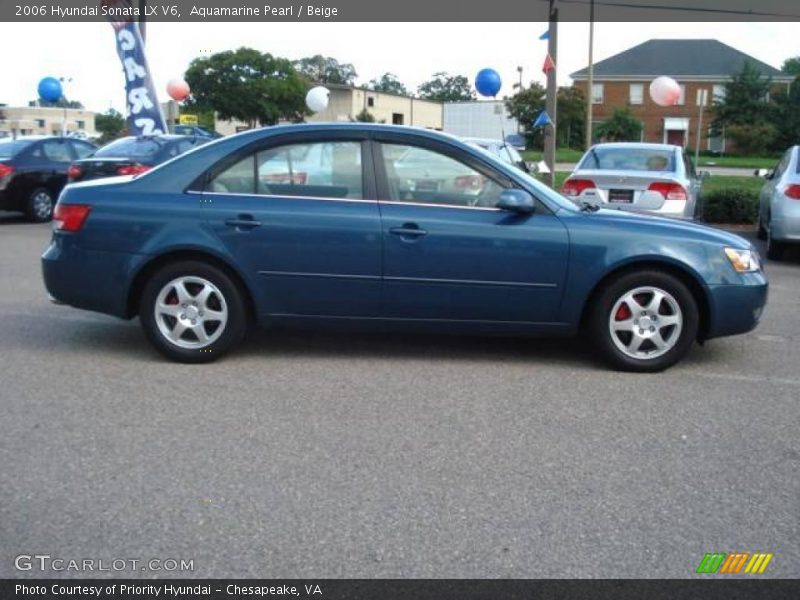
(82, 150)
(315, 169)
(629, 159)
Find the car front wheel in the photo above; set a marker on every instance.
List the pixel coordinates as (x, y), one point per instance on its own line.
(644, 321)
(192, 312)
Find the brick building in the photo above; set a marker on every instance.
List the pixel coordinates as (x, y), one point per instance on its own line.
(623, 80)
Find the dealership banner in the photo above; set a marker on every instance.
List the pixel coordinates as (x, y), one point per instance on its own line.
(144, 111)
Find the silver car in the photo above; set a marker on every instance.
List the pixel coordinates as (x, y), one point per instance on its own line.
(502, 150)
(779, 208)
(658, 178)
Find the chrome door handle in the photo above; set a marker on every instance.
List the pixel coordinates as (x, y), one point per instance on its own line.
(408, 231)
(243, 223)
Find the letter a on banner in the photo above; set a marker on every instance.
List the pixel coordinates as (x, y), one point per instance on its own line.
(144, 111)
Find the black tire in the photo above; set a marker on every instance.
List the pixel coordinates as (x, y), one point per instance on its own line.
(606, 301)
(39, 205)
(762, 231)
(227, 299)
(775, 249)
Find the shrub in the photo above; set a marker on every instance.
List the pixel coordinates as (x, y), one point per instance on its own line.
(751, 140)
(731, 205)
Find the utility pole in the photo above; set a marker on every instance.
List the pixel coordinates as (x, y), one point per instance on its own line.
(552, 94)
(701, 99)
(142, 20)
(590, 82)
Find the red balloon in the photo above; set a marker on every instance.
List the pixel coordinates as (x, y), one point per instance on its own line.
(178, 89)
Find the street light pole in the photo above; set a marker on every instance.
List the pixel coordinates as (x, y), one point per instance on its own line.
(590, 82)
(552, 95)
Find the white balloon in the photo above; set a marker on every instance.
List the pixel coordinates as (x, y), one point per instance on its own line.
(317, 98)
(665, 91)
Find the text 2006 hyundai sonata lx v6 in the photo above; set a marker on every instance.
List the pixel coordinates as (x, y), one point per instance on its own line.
(312, 225)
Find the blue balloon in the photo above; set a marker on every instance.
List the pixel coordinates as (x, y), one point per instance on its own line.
(50, 89)
(488, 82)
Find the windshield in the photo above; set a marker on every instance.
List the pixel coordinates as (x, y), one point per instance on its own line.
(140, 148)
(10, 149)
(628, 159)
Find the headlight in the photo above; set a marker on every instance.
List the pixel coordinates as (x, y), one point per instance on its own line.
(743, 261)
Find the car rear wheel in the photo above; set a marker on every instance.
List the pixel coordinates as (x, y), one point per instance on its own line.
(644, 321)
(39, 208)
(192, 312)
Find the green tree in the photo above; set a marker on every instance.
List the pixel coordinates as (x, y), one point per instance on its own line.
(525, 106)
(324, 69)
(571, 121)
(751, 139)
(365, 117)
(745, 99)
(792, 66)
(110, 124)
(622, 126)
(248, 86)
(785, 117)
(446, 88)
(389, 83)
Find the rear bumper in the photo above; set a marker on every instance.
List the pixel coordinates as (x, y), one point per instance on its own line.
(737, 308)
(88, 279)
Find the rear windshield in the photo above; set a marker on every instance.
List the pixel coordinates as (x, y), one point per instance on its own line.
(130, 148)
(629, 159)
(9, 149)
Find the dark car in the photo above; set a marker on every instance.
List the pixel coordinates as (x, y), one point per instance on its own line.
(205, 245)
(132, 156)
(34, 169)
(196, 130)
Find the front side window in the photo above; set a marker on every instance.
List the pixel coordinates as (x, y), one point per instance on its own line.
(57, 151)
(314, 169)
(424, 176)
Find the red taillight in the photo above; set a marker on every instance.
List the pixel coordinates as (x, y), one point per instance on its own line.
(474, 182)
(793, 191)
(6, 170)
(670, 191)
(74, 172)
(574, 187)
(133, 169)
(70, 217)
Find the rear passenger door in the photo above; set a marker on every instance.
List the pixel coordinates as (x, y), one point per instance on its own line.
(300, 216)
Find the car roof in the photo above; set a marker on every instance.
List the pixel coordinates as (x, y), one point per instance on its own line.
(474, 140)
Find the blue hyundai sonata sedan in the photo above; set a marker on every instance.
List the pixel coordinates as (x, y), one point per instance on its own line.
(385, 227)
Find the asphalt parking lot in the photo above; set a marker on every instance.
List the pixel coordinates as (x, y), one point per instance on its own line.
(310, 455)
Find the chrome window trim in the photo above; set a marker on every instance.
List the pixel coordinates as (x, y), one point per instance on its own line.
(330, 199)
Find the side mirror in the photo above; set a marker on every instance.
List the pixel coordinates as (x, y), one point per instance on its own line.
(518, 201)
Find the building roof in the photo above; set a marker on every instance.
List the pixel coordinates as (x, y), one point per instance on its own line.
(708, 60)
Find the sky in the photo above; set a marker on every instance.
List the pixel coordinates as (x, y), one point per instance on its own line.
(85, 52)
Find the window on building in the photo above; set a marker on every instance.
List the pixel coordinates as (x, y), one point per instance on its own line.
(637, 93)
(371, 101)
(81, 124)
(397, 118)
(597, 93)
(41, 123)
(718, 93)
(682, 97)
(702, 97)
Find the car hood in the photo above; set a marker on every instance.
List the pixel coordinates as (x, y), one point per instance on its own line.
(665, 226)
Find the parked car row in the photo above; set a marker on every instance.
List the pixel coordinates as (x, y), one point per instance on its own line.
(34, 169)
(779, 205)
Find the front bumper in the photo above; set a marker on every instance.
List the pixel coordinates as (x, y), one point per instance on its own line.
(737, 308)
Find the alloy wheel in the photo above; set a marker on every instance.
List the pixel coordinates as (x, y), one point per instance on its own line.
(191, 312)
(645, 323)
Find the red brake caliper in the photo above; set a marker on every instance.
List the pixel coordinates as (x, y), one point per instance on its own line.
(623, 313)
